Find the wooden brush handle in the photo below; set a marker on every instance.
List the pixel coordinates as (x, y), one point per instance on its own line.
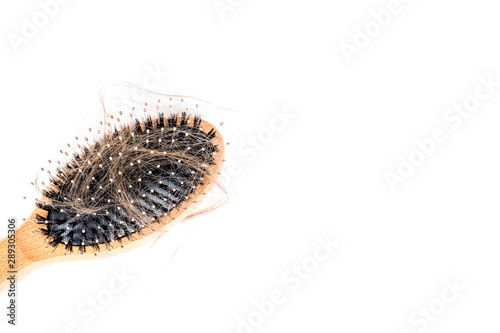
(31, 252)
(28, 256)
(9, 264)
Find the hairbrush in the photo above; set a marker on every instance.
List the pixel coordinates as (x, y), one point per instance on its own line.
(117, 193)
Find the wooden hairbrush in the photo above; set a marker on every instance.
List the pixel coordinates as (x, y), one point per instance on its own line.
(117, 193)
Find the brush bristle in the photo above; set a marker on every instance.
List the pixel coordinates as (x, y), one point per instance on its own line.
(128, 180)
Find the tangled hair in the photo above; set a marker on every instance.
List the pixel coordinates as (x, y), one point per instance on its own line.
(131, 178)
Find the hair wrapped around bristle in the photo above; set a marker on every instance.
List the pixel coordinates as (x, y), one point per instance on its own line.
(128, 180)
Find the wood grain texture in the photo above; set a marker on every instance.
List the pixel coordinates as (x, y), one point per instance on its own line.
(33, 251)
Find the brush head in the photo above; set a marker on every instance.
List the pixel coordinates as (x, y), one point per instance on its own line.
(138, 177)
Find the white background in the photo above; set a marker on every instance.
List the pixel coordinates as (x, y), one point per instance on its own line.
(321, 175)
